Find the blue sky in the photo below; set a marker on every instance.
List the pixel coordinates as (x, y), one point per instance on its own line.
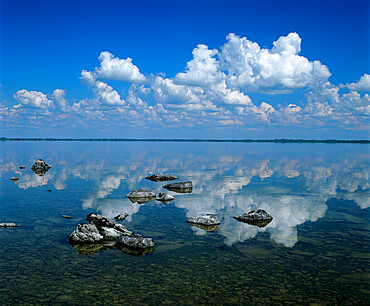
(186, 69)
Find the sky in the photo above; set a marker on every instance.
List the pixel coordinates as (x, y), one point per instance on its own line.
(185, 69)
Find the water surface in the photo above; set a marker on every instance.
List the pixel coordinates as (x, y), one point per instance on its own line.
(315, 250)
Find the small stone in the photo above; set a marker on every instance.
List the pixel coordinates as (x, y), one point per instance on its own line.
(121, 217)
(161, 178)
(141, 196)
(209, 219)
(181, 187)
(9, 224)
(259, 218)
(40, 167)
(136, 242)
(164, 197)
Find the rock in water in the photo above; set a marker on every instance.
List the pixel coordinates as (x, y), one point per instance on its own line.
(136, 242)
(9, 224)
(14, 178)
(164, 197)
(121, 217)
(181, 187)
(161, 178)
(141, 196)
(85, 233)
(99, 229)
(209, 219)
(66, 217)
(259, 218)
(22, 167)
(40, 167)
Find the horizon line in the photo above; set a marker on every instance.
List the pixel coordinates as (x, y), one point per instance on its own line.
(277, 140)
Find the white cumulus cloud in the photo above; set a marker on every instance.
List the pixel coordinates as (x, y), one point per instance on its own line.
(32, 99)
(251, 68)
(362, 85)
(114, 68)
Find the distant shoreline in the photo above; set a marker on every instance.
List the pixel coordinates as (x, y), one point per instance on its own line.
(190, 140)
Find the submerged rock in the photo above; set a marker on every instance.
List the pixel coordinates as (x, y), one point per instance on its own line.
(259, 218)
(98, 229)
(134, 251)
(161, 177)
(91, 249)
(40, 167)
(164, 197)
(136, 241)
(121, 217)
(9, 224)
(14, 178)
(141, 196)
(181, 187)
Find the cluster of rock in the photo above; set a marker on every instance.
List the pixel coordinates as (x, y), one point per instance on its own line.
(106, 233)
(141, 196)
(40, 167)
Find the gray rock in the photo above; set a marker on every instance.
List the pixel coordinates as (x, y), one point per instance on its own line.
(181, 187)
(141, 196)
(85, 233)
(259, 218)
(136, 242)
(40, 167)
(207, 220)
(99, 229)
(141, 193)
(121, 217)
(14, 178)
(164, 197)
(161, 178)
(9, 224)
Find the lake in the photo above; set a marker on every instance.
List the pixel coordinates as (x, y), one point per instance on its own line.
(315, 250)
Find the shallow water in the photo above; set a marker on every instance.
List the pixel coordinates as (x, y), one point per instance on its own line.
(315, 250)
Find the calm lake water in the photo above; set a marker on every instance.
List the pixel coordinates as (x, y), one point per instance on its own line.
(315, 250)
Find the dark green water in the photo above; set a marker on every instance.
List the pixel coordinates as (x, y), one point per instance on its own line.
(316, 249)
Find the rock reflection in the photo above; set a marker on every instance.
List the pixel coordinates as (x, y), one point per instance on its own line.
(256, 223)
(91, 249)
(208, 228)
